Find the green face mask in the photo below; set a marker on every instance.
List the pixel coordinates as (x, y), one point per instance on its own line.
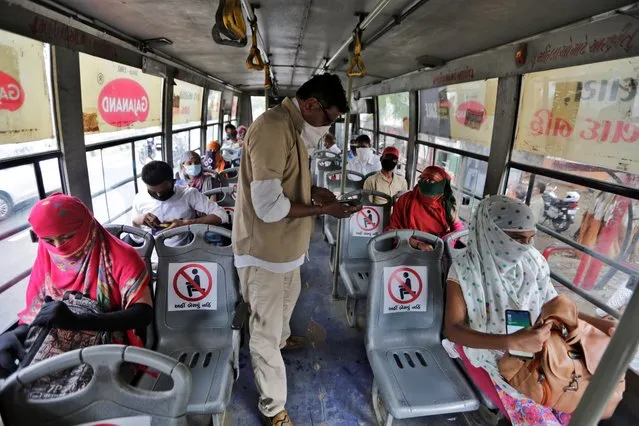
(431, 189)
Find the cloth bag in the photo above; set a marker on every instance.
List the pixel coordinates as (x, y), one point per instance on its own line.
(559, 374)
(44, 342)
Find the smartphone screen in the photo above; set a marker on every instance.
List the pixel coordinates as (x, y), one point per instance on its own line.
(515, 321)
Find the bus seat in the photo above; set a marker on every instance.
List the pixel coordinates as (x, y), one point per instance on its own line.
(145, 250)
(227, 201)
(327, 159)
(197, 297)
(106, 397)
(354, 263)
(332, 182)
(324, 166)
(413, 374)
(231, 176)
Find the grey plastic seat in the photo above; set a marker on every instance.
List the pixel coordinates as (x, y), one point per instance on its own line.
(332, 182)
(231, 176)
(327, 159)
(413, 375)
(197, 296)
(357, 231)
(325, 166)
(227, 201)
(145, 251)
(106, 397)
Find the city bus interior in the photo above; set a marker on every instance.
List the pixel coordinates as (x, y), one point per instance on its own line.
(536, 100)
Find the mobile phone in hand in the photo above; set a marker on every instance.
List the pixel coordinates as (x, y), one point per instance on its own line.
(515, 321)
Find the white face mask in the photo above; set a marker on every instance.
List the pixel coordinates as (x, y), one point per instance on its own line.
(364, 154)
(312, 136)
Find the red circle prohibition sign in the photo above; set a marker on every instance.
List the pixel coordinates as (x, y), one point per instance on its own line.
(182, 272)
(368, 224)
(395, 276)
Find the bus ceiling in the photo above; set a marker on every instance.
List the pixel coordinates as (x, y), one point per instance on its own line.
(299, 38)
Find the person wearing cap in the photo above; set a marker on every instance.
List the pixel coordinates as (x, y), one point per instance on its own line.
(365, 160)
(386, 181)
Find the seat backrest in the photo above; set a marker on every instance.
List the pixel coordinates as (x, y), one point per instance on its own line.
(325, 166)
(231, 176)
(145, 250)
(367, 223)
(405, 298)
(197, 288)
(332, 181)
(322, 156)
(449, 243)
(106, 397)
(227, 201)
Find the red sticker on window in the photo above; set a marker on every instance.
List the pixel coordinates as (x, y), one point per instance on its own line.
(11, 93)
(471, 114)
(122, 102)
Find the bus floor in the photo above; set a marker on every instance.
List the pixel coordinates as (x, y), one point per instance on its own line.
(330, 380)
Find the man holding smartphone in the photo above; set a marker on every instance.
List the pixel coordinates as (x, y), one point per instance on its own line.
(273, 222)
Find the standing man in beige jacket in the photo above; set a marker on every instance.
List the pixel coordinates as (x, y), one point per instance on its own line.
(274, 214)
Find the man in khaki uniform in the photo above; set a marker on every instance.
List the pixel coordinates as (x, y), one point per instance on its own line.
(273, 223)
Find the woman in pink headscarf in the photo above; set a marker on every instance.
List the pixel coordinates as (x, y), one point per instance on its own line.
(76, 254)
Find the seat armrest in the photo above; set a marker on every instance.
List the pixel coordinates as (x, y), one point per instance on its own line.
(240, 316)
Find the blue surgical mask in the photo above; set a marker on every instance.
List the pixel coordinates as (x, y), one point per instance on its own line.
(193, 170)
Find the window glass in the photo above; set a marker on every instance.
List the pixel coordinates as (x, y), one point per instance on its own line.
(234, 107)
(213, 110)
(50, 170)
(180, 146)
(604, 222)
(582, 120)
(366, 121)
(401, 145)
(112, 188)
(187, 103)
(258, 106)
(424, 159)
(26, 115)
(195, 140)
(118, 101)
(18, 194)
(393, 113)
(460, 115)
(212, 133)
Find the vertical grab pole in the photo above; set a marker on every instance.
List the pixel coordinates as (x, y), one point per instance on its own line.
(611, 368)
(338, 240)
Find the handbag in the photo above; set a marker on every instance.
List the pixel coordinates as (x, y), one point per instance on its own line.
(44, 342)
(560, 373)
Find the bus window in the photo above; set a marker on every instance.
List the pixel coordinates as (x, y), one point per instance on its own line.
(366, 122)
(26, 128)
(258, 106)
(187, 114)
(234, 106)
(213, 115)
(393, 114)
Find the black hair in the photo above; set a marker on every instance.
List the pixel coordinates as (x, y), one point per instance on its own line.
(156, 172)
(363, 138)
(326, 88)
(542, 187)
(229, 126)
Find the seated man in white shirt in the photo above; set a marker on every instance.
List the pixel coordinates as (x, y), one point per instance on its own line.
(330, 144)
(164, 206)
(365, 162)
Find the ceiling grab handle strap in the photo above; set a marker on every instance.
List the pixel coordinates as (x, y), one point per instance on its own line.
(357, 67)
(254, 60)
(268, 83)
(229, 28)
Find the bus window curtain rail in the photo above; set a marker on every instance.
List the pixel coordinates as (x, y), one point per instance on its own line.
(600, 257)
(6, 286)
(457, 151)
(599, 185)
